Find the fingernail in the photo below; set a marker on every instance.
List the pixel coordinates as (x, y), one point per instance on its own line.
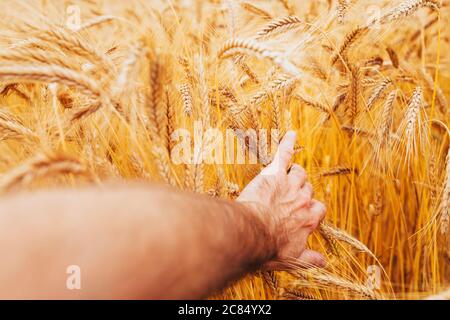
(290, 137)
(291, 134)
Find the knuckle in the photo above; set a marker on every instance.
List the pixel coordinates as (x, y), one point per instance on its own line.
(299, 170)
(313, 224)
(322, 211)
(309, 189)
(302, 174)
(298, 174)
(306, 194)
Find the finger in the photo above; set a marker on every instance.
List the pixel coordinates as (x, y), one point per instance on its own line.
(297, 176)
(318, 211)
(311, 258)
(283, 156)
(307, 190)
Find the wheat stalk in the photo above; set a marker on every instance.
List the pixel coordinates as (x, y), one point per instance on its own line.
(64, 76)
(96, 22)
(36, 55)
(187, 99)
(187, 70)
(203, 93)
(295, 294)
(342, 10)
(255, 10)
(445, 203)
(411, 120)
(407, 8)
(247, 70)
(171, 121)
(316, 105)
(377, 91)
(155, 99)
(49, 74)
(242, 46)
(279, 24)
(353, 96)
(163, 164)
(282, 83)
(14, 127)
(313, 276)
(387, 118)
(393, 57)
(336, 172)
(41, 166)
(442, 101)
(340, 235)
(349, 41)
(70, 42)
(358, 131)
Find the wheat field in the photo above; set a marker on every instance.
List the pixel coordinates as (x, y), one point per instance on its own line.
(92, 90)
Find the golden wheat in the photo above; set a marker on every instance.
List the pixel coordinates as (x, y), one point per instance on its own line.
(362, 96)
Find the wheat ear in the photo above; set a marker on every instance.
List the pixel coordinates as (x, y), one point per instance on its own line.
(11, 126)
(242, 46)
(49, 74)
(411, 119)
(407, 8)
(256, 10)
(393, 57)
(163, 164)
(337, 171)
(445, 203)
(96, 22)
(342, 9)
(187, 99)
(377, 91)
(353, 101)
(40, 167)
(349, 40)
(309, 277)
(279, 24)
(340, 235)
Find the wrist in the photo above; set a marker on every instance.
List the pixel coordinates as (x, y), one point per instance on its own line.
(264, 226)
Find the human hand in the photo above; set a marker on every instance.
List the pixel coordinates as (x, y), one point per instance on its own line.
(283, 198)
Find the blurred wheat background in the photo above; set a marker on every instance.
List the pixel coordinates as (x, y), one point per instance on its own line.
(91, 91)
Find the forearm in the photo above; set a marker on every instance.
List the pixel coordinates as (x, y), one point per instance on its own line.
(136, 241)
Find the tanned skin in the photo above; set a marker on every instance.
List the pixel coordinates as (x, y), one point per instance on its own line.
(147, 241)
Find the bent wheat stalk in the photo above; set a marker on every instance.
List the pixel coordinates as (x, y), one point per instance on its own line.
(349, 40)
(278, 25)
(407, 8)
(340, 235)
(49, 74)
(243, 46)
(308, 276)
(256, 10)
(96, 22)
(377, 92)
(445, 203)
(41, 166)
(11, 126)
